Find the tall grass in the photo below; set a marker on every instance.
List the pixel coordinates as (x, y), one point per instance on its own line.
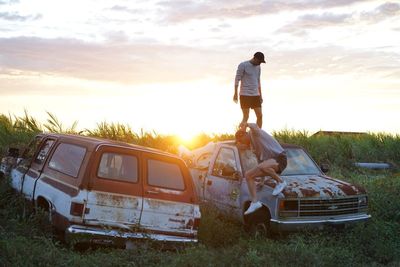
(344, 150)
(340, 151)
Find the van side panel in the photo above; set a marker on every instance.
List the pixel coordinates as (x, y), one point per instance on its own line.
(169, 206)
(115, 190)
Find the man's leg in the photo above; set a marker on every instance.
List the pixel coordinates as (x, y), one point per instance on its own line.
(245, 118)
(250, 175)
(270, 167)
(259, 115)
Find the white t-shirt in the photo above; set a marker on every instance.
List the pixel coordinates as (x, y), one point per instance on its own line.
(249, 77)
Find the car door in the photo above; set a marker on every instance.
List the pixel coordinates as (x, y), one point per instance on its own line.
(169, 202)
(223, 180)
(115, 191)
(36, 168)
(17, 173)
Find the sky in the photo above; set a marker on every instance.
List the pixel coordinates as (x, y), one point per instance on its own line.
(169, 66)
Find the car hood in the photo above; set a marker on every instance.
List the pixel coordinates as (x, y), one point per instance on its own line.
(316, 186)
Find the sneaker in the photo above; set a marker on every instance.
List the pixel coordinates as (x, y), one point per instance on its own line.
(253, 207)
(279, 188)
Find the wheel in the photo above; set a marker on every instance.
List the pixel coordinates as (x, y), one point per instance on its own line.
(48, 224)
(258, 223)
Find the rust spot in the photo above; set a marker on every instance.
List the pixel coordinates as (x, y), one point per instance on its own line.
(116, 201)
(290, 193)
(308, 192)
(348, 190)
(176, 220)
(360, 189)
(328, 192)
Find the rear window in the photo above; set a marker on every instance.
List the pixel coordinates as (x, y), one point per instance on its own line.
(118, 167)
(165, 174)
(68, 159)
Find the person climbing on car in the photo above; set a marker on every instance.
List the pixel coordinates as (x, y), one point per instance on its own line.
(271, 157)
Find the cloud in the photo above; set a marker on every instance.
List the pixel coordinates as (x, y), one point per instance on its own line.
(116, 62)
(183, 10)
(307, 22)
(135, 63)
(6, 2)
(334, 60)
(382, 12)
(126, 9)
(313, 21)
(16, 17)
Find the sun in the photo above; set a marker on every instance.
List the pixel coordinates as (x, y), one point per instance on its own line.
(186, 137)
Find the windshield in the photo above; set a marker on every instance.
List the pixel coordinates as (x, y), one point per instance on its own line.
(298, 162)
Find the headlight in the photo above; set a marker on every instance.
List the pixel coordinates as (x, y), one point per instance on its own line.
(288, 208)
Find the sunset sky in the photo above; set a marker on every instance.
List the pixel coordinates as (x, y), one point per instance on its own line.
(169, 66)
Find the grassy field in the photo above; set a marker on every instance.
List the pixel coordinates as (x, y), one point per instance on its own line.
(26, 239)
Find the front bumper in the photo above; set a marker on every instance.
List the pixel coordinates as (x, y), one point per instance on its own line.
(289, 225)
(80, 233)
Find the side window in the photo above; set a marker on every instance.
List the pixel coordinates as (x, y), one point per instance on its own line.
(225, 164)
(67, 159)
(165, 174)
(44, 150)
(28, 153)
(118, 167)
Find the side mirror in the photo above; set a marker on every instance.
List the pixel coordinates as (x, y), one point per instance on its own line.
(13, 152)
(324, 167)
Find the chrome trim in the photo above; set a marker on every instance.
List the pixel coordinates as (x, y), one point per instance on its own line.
(343, 220)
(326, 207)
(82, 230)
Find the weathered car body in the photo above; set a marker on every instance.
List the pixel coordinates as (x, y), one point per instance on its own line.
(311, 199)
(100, 189)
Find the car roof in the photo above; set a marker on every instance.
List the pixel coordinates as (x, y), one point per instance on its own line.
(94, 142)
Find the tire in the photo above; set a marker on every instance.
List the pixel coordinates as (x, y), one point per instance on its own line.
(257, 224)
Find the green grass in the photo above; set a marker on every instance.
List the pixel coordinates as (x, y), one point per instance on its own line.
(26, 239)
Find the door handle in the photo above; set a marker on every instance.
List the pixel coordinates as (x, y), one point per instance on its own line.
(209, 182)
(152, 192)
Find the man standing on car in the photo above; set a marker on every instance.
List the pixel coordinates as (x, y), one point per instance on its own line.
(270, 154)
(248, 74)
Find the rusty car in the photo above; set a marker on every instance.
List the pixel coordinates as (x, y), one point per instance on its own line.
(311, 199)
(96, 189)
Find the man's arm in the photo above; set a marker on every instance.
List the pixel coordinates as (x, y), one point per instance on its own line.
(238, 78)
(254, 128)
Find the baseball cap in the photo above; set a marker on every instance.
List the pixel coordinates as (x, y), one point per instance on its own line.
(259, 56)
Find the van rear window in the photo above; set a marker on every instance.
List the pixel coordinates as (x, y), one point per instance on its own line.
(68, 159)
(165, 174)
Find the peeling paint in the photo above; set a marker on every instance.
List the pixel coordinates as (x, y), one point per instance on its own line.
(309, 192)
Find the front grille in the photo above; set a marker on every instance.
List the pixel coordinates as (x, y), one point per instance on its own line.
(304, 207)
